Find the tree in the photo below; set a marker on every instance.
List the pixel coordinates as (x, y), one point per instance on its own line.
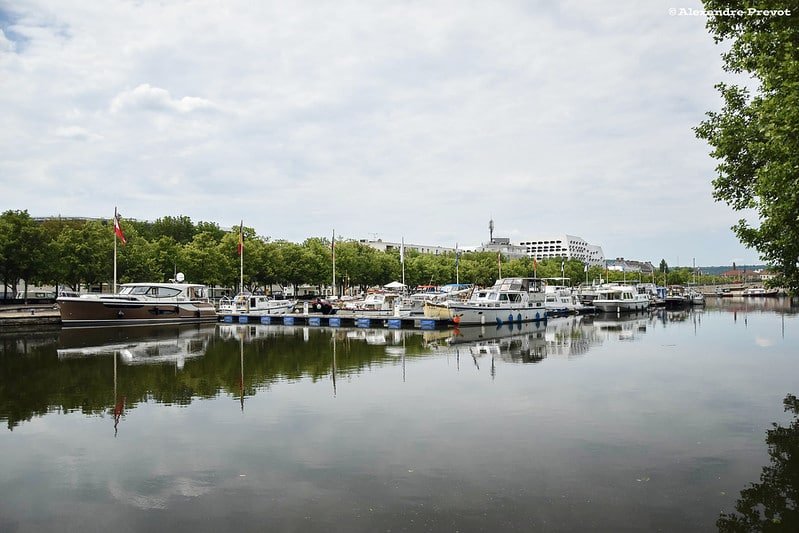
(754, 137)
(22, 248)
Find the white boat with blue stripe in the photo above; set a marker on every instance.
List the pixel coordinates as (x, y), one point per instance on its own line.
(509, 300)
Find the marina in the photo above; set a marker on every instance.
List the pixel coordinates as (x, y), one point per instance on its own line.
(647, 418)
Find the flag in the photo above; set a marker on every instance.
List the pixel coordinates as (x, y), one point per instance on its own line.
(535, 266)
(117, 228)
(241, 238)
(585, 267)
(333, 246)
(457, 255)
(402, 251)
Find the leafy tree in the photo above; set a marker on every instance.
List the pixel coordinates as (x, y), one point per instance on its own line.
(180, 228)
(754, 136)
(21, 248)
(203, 261)
(210, 227)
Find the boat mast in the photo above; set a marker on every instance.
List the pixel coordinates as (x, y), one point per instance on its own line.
(402, 259)
(114, 285)
(241, 257)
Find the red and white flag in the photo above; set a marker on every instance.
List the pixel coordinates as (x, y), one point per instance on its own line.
(117, 228)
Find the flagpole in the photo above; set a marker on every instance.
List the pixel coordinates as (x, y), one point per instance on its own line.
(457, 265)
(241, 257)
(333, 251)
(114, 286)
(402, 257)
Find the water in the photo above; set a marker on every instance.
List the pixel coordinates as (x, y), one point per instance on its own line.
(652, 422)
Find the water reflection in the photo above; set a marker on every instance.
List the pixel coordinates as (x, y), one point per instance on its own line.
(176, 364)
(585, 420)
(138, 345)
(772, 503)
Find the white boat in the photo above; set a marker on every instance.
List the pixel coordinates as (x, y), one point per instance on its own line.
(760, 291)
(561, 300)
(620, 299)
(697, 298)
(139, 303)
(255, 305)
(509, 300)
(376, 304)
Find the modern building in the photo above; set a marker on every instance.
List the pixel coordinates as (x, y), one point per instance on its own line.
(621, 264)
(385, 246)
(564, 246)
(504, 246)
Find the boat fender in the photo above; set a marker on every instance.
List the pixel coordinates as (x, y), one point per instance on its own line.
(510, 318)
(499, 321)
(537, 315)
(197, 313)
(519, 317)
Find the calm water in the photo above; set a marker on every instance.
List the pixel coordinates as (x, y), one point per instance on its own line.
(653, 422)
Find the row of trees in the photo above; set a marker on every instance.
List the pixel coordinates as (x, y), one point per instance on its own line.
(77, 253)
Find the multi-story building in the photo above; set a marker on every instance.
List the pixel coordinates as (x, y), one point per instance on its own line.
(621, 264)
(384, 246)
(565, 246)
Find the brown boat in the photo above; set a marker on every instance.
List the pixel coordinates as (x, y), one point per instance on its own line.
(139, 303)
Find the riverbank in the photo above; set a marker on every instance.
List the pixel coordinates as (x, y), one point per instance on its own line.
(29, 316)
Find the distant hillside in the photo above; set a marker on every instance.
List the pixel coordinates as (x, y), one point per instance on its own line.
(716, 270)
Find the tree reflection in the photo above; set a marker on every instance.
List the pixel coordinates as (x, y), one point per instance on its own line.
(771, 504)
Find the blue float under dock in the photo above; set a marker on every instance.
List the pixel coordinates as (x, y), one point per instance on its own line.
(334, 321)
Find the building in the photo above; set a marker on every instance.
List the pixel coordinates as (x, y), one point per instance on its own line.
(621, 264)
(504, 246)
(385, 246)
(566, 247)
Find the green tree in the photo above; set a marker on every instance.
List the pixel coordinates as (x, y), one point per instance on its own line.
(203, 261)
(754, 136)
(179, 228)
(22, 249)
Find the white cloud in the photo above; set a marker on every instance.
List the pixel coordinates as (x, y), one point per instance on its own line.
(420, 119)
(147, 98)
(76, 133)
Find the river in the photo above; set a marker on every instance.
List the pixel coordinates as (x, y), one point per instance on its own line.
(657, 421)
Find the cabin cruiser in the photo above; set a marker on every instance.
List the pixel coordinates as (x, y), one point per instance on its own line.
(255, 305)
(509, 300)
(376, 304)
(139, 303)
(620, 298)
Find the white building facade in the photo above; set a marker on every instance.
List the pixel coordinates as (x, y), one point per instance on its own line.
(565, 246)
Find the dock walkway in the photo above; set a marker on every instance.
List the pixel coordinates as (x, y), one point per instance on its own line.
(336, 321)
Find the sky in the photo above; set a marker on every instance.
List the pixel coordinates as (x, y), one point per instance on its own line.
(420, 120)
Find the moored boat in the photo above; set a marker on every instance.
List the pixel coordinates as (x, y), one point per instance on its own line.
(760, 292)
(620, 299)
(509, 300)
(139, 303)
(255, 305)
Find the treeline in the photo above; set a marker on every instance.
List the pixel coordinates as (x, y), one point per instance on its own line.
(78, 253)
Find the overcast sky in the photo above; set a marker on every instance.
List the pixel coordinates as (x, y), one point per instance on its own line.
(421, 119)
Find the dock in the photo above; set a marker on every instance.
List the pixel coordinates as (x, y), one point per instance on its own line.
(29, 316)
(336, 321)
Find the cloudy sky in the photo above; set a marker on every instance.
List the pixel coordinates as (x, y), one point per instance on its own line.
(421, 119)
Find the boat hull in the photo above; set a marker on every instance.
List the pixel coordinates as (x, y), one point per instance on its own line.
(472, 314)
(118, 312)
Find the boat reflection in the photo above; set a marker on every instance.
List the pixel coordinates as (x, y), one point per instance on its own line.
(138, 345)
(625, 327)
